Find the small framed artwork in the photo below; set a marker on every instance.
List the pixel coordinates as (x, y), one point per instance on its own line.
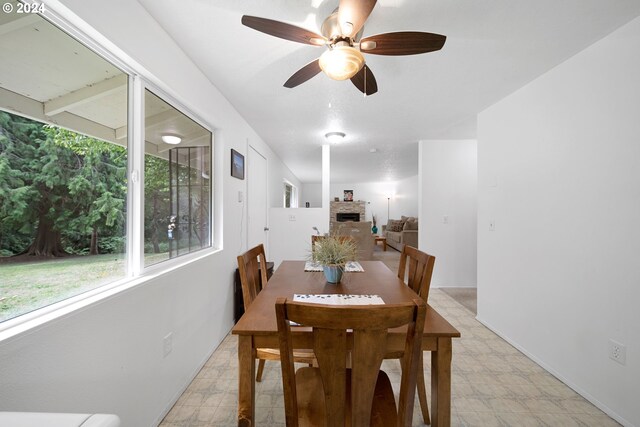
(237, 164)
(348, 195)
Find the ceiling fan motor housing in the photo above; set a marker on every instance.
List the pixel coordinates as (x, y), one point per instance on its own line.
(334, 31)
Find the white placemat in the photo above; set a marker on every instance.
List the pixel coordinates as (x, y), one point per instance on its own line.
(339, 299)
(351, 267)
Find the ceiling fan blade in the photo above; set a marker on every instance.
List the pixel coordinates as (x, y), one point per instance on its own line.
(283, 30)
(405, 43)
(354, 12)
(303, 74)
(365, 81)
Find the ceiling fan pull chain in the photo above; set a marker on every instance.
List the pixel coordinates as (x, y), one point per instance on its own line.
(365, 81)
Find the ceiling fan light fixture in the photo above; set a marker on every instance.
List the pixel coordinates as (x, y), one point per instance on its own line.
(341, 62)
(334, 137)
(172, 139)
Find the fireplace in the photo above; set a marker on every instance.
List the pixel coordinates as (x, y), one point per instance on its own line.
(345, 211)
(350, 216)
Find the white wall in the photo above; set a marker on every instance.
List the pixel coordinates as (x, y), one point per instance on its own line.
(290, 237)
(312, 193)
(404, 197)
(107, 357)
(448, 209)
(278, 173)
(559, 173)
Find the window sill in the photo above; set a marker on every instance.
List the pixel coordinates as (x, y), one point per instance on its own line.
(40, 317)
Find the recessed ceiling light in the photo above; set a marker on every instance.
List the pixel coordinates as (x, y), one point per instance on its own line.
(373, 150)
(335, 137)
(169, 138)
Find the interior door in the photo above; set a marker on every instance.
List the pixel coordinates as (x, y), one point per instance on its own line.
(257, 226)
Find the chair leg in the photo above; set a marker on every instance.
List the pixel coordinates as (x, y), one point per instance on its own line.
(422, 392)
(261, 368)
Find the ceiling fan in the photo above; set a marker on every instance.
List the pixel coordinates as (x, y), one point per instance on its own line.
(342, 34)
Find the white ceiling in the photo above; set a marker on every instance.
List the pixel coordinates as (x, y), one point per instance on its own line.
(493, 47)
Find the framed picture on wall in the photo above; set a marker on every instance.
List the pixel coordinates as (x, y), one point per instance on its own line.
(237, 164)
(348, 195)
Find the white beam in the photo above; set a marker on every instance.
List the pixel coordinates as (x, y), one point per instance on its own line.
(84, 95)
(30, 108)
(23, 105)
(81, 125)
(152, 121)
(121, 132)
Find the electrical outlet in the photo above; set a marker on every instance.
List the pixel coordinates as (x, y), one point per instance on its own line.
(492, 225)
(167, 344)
(292, 217)
(445, 219)
(618, 352)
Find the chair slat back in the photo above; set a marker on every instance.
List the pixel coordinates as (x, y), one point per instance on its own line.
(251, 275)
(363, 330)
(420, 269)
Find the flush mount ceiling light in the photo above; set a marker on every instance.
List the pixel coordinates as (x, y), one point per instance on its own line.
(341, 62)
(169, 138)
(334, 137)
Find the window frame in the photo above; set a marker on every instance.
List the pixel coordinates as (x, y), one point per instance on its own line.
(139, 79)
(164, 96)
(293, 196)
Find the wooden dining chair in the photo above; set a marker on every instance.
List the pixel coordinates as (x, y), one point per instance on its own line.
(417, 267)
(253, 279)
(420, 269)
(332, 394)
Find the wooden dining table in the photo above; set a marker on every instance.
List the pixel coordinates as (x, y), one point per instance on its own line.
(257, 328)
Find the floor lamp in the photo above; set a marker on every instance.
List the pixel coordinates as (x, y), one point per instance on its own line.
(388, 198)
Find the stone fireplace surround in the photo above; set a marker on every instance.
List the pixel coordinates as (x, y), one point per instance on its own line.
(345, 207)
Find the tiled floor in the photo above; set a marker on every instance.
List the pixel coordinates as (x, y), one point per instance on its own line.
(493, 384)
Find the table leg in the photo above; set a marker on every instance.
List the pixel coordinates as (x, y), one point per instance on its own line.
(441, 384)
(384, 245)
(246, 385)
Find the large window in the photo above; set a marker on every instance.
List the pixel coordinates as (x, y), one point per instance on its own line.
(177, 182)
(64, 168)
